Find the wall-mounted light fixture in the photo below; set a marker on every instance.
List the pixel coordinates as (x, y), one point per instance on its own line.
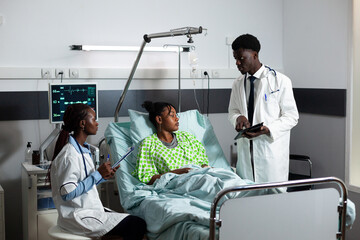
(165, 48)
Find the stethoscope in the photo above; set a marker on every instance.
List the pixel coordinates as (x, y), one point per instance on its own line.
(82, 154)
(277, 89)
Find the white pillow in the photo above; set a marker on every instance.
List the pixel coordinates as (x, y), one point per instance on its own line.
(190, 121)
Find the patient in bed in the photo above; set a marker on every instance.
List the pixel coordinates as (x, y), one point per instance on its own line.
(177, 204)
(166, 151)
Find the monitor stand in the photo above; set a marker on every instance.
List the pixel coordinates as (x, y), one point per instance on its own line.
(48, 141)
(94, 150)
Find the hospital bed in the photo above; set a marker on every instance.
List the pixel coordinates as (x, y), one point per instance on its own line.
(179, 206)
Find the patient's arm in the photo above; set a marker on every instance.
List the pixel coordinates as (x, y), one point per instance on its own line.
(176, 171)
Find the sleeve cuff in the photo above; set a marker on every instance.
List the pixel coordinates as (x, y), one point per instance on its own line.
(98, 178)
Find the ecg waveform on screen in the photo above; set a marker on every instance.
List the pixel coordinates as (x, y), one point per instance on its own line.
(71, 90)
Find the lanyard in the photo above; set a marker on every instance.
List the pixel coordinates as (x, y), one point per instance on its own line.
(82, 154)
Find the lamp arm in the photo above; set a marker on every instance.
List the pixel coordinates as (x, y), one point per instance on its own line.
(122, 98)
(147, 38)
(173, 33)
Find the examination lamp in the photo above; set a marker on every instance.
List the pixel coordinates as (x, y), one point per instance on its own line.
(187, 31)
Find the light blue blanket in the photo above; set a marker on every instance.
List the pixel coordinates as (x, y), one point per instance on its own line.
(178, 206)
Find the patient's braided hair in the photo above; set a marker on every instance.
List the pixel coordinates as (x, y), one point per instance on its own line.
(73, 115)
(246, 41)
(155, 109)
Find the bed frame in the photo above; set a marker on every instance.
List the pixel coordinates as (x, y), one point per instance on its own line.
(319, 215)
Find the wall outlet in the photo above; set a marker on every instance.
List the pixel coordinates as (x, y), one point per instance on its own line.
(73, 73)
(59, 73)
(229, 40)
(204, 73)
(194, 73)
(46, 73)
(215, 74)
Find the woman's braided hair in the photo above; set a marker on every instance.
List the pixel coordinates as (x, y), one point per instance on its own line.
(73, 115)
(155, 109)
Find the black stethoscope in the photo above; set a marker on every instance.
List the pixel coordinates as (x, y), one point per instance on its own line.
(277, 89)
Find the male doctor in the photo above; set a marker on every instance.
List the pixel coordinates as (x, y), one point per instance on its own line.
(261, 95)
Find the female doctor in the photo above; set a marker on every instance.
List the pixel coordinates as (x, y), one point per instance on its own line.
(263, 156)
(74, 179)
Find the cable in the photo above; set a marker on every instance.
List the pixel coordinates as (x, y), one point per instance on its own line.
(208, 92)
(197, 103)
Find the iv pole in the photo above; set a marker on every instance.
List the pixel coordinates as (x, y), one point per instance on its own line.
(188, 31)
(186, 48)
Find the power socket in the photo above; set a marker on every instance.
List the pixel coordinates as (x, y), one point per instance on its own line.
(194, 73)
(204, 73)
(215, 74)
(59, 73)
(73, 73)
(46, 73)
(229, 40)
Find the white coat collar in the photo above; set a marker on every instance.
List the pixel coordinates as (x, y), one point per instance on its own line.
(76, 146)
(259, 72)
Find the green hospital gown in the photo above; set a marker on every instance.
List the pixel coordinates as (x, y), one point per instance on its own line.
(155, 158)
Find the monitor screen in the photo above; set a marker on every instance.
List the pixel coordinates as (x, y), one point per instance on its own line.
(63, 94)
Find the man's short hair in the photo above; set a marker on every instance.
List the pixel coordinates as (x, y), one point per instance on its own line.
(246, 41)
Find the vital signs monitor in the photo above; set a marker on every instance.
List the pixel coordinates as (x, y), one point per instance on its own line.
(63, 94)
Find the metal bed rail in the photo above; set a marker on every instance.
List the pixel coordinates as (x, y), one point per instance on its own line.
(314, 181)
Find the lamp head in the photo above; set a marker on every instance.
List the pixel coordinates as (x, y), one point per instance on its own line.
(190, 38)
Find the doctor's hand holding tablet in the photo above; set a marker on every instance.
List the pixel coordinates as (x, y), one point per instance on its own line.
(246, 130)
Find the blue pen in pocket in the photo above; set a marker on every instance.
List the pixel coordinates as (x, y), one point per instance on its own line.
(265, 97)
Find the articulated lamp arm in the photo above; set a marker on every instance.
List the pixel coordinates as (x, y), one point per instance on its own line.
(188, 31)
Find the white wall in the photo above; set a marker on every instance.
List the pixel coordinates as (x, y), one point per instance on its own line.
(316, 43)
(317, 54)
(36, 34)
(354, 129)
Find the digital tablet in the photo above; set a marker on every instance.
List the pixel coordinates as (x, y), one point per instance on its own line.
(254, 128)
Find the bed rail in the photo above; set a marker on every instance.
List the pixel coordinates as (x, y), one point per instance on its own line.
(314, 181)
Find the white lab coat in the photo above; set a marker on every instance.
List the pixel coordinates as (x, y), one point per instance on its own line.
(83, 215)
(279, 113)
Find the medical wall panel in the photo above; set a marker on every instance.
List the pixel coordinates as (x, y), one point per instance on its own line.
(34, 105)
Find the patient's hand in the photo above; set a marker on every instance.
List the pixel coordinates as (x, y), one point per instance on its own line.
(176, 171)
(181, 170)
